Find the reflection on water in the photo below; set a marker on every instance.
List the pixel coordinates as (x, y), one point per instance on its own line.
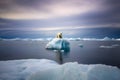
(60, 54)
(59, 57)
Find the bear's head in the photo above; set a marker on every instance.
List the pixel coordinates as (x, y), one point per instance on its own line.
(59, 35)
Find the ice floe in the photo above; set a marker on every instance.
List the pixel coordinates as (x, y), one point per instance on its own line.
(110, 46)
(43, 69)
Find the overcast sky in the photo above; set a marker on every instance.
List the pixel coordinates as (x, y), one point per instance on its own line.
(58, 14)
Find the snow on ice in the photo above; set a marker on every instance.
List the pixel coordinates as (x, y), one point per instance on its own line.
(43, 69)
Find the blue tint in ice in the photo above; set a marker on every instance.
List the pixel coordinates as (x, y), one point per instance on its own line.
(58, 44)
(43, 69)
(21, 69)
(75, 71)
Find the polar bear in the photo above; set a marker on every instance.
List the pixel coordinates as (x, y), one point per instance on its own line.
(58, 43)
(59, 35)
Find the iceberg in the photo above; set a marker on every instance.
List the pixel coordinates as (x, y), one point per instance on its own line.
(58, 44)
(80, 45)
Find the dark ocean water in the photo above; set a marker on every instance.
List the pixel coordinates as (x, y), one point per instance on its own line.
(84, 52)
(82, 32)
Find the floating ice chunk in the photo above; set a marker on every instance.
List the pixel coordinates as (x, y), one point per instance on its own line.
(106, 46)
(80, 45)
(118, 39)
(58, 44)
(111, 46)
(107, 38)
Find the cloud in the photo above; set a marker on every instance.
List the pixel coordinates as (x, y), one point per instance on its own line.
(44, 9)
(44, 29)
(58, 14)
(49, 28)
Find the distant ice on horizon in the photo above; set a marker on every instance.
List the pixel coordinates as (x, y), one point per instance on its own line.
(43, 69)
(70, 39)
